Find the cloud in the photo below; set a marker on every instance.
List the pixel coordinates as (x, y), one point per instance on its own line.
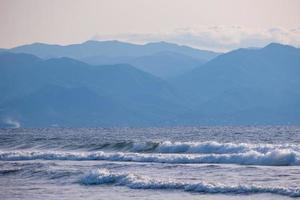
(217, 38)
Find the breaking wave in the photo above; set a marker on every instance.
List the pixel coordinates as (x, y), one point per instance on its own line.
(103, 176)
(192, 147)
(164, 147)
(271, 158)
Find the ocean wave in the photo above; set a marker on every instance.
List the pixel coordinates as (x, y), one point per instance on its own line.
(272, 158)
(103, 176)
(212, 147)
(208, 147)
(167, 147)
(9, 171)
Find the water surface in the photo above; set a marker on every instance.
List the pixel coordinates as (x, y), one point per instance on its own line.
(151, 163)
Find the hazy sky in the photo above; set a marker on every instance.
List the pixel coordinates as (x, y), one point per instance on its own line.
(208, 24)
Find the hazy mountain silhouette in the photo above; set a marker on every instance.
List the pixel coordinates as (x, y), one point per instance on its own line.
(109, 49)
(15, 74)
(246, 86)
(165, 64)
(40, 92)
(161, 58)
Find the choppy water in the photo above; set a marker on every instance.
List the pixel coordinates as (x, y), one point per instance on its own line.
(151, 163)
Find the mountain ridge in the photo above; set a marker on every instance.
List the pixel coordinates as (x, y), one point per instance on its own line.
(74, 50)
(266, 78)
(241, 87)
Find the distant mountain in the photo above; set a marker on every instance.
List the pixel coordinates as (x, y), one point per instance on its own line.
(53, 105)
(165, 64)
(161, 59)
(67, 92)
(107, 60)
(15, 75)
(242, 87)
(245, 86)
(110, 49)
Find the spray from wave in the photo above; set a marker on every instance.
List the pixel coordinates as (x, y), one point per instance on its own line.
(12, 123)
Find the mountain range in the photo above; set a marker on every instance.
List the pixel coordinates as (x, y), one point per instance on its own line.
(164, 56)
(113, 83)
(246, 86)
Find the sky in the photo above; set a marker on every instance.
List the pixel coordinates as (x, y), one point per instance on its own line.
(219, 25)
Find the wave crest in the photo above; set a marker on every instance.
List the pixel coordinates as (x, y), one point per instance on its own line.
(208, 147)
(272, 158)
(103, 176)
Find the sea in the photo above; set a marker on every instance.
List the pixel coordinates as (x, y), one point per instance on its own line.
(247, 162)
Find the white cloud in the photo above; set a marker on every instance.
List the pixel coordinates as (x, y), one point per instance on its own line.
(218, 38)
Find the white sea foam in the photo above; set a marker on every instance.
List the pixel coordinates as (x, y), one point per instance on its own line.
(208, 147)
(271, 158)
(103, 176)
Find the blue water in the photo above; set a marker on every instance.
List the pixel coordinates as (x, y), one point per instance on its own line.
(151, 163)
